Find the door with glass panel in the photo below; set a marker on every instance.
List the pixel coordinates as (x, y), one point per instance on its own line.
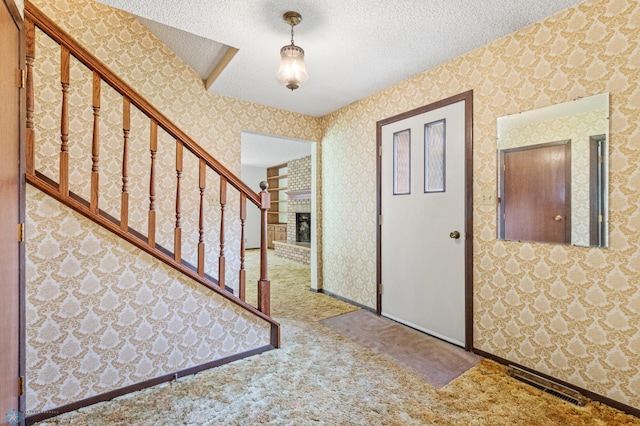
(423, 206)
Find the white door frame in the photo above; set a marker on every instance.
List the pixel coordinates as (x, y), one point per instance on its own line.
(467, 97)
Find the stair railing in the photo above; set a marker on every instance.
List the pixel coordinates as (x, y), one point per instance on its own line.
(91, 208)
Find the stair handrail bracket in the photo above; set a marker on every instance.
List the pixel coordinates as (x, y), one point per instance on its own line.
(35, 18)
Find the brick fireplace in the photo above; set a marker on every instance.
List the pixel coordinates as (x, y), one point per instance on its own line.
(298, 213)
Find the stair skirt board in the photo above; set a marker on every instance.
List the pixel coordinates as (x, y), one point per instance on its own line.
(142, 385)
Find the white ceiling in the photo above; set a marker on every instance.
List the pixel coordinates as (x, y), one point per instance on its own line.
(200, 53)
(353, 48)
(260, 150)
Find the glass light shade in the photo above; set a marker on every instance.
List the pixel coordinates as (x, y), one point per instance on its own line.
(292, 72)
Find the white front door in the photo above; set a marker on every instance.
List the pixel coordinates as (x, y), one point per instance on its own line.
(423, 207)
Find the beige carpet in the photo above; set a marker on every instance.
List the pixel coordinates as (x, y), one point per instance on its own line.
(321, 378)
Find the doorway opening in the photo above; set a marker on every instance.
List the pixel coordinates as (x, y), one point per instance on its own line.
(293, 190)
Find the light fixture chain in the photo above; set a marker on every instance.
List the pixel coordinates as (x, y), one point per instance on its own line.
(292, 34)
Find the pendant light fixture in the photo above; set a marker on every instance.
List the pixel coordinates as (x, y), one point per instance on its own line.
(292, 72)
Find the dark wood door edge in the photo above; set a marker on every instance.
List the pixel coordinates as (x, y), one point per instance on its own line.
(589, 394)
(467, 97)
(142, 385)
(15, 13)
(18, 20)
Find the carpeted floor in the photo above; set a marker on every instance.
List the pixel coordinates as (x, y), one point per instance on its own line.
(319, 377)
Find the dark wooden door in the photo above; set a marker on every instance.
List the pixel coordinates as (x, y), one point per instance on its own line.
(536, 198)
(9, 214)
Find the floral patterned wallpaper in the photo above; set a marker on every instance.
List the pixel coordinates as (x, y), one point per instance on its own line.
(101, 314)
(569, 312)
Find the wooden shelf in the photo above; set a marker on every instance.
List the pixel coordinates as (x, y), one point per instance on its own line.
(277, 177)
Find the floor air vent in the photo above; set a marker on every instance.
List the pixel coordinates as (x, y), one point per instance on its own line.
(547, 386)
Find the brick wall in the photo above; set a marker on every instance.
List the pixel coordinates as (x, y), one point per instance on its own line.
(298, 178)
(299, 174)
(293, 252)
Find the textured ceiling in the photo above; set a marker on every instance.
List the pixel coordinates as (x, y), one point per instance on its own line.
(200, 53)
(265, 151)
(353, 48)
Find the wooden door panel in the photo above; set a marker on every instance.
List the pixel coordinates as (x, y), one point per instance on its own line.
(9, 212)
(536, 193)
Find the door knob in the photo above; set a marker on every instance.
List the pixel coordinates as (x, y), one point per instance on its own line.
(455, 235)
(558, 218)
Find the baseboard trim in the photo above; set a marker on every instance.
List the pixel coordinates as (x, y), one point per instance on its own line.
(591, 395)
(142, 385)
(344, 299)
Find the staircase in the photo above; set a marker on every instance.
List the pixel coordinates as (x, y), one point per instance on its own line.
(190, 253)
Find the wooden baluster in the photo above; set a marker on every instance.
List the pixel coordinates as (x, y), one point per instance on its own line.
(264, 285)
(152, 184)
(95, 146)
(64, 121)
(30, 58)
(203, 185)
(177, 233)
(221, 259)
(243, 216)
(126, 127)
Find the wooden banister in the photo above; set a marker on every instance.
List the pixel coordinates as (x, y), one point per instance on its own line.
(126, 128)
(221, 258)
(203, 185)
(242, 279)
(40, 183)
(91, 208)
(64, 121)
(61, 37)
(153, 148)
(264, 285)
(30, 33)
(95, 145)
(177, 233)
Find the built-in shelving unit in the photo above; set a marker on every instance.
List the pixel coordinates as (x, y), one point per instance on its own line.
(277, 215)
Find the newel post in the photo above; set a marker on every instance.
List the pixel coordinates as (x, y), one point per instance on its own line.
(264, 285)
